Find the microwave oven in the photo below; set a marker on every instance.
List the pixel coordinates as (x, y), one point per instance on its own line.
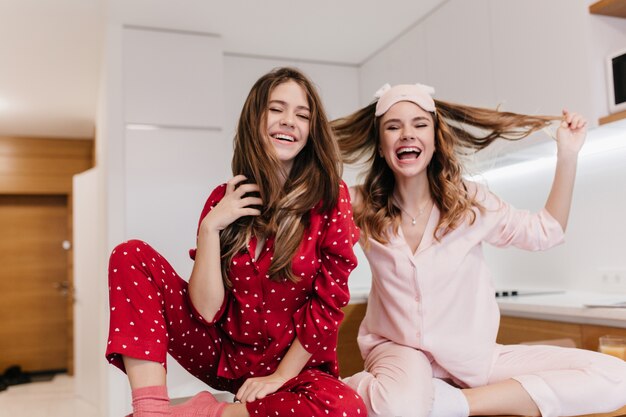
(616, 81)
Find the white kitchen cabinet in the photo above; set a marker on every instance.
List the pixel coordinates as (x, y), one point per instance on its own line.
(169, 174)
(337, 85)
(402, 62)
(374, 73)
(459, 60)
(541, 55)
(172, 78)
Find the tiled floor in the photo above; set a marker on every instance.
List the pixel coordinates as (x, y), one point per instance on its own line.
(54, 398)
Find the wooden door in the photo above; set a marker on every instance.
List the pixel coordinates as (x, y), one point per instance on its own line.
(34, 282)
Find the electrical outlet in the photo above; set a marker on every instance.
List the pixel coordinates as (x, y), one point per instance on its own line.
(612, 278)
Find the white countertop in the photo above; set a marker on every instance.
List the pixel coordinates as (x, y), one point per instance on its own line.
(565, 306)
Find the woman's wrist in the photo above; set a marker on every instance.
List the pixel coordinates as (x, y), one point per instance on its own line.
(208, 227)
(283, 375)
(567, 154)
(206, 235)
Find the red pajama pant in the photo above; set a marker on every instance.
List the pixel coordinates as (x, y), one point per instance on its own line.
(150, 316)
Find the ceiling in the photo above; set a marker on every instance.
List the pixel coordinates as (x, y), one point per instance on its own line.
(50, 50)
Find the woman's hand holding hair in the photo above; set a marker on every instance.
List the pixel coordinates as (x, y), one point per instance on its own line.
(234, 205)
(570, 136)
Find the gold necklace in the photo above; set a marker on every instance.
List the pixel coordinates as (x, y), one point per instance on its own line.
(419, 212)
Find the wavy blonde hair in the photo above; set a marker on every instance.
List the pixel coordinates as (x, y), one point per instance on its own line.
(312, 182)
(358, 137)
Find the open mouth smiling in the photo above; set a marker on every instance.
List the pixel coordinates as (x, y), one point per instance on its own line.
(408, 153)
(284, 137)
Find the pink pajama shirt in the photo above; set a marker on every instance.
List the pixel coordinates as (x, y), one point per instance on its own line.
(151, 315)
(434, 313)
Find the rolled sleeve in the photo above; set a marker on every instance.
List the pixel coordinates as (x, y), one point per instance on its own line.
(521, 228)
(503, 225)
(200, 318)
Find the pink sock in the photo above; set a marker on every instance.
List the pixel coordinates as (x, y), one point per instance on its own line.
(151, 402)
(202, 404)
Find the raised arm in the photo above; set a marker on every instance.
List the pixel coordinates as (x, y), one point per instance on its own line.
(206, 287)
(570, 137)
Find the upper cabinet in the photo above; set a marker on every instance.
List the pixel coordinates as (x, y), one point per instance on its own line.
(459, 55)
(534, 57)
(172, 78)
(615, 8)
(508, 55)
(539, 63)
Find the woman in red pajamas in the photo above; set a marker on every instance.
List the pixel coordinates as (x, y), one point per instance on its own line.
(260, 314)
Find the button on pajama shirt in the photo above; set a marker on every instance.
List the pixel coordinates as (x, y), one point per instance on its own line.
(434, 313)
(151, 315)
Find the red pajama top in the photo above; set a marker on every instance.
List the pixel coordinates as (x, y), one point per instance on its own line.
(259, 318)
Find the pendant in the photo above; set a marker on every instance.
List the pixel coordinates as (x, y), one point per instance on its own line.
(413, 221)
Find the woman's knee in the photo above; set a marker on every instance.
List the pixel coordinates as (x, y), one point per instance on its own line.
(398, 365)
(131, 259)
(402, 400)
(398, 382)
(130, 252)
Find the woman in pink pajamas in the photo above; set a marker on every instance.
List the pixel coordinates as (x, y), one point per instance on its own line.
(429, 334)
(260, 314)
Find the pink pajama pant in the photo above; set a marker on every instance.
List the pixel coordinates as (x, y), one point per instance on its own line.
(397, 381)
(150, 316)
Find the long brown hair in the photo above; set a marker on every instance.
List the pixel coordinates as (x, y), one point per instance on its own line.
(312, 182)
(358, 137)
